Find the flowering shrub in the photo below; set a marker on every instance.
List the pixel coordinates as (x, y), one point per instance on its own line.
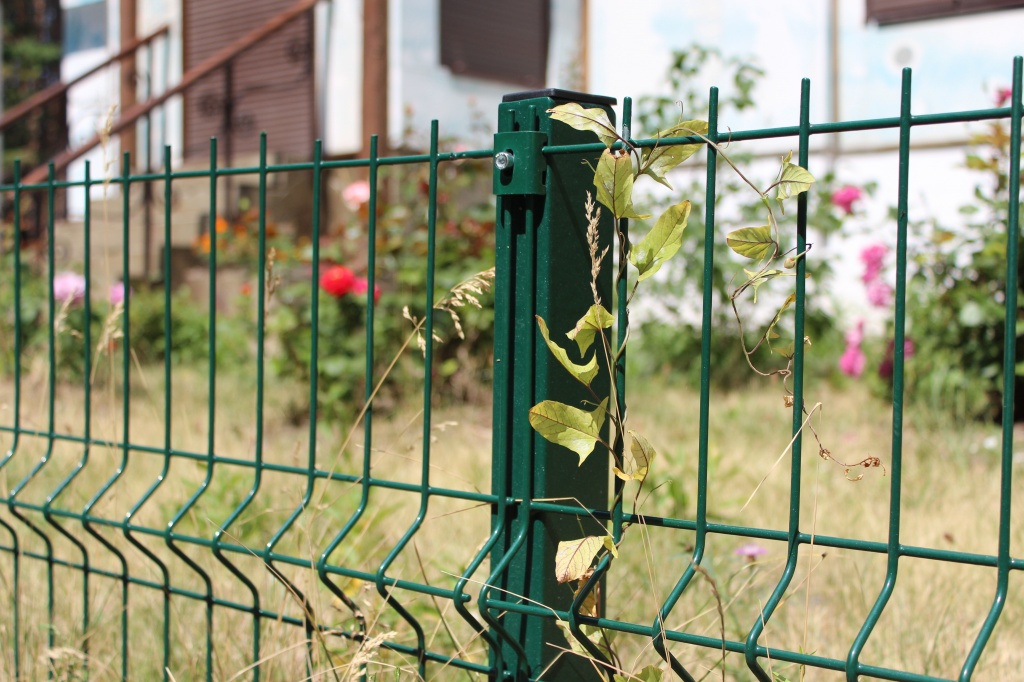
(880, 295)
(956, 296)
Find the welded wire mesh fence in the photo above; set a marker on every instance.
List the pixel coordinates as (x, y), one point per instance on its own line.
(163, 519)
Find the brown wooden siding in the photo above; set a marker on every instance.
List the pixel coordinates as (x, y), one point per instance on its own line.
(272, 84)
(896, 11)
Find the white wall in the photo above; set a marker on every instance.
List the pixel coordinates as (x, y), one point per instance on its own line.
(958, 64)
(419, 88)
(88, 107)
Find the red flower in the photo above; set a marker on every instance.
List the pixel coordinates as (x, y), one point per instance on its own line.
(337, 280)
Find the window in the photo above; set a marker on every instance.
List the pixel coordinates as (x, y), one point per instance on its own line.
(85, 26)
(896, 11)
(506, 41)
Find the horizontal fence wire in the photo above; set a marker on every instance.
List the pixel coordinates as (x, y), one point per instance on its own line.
(152, 567)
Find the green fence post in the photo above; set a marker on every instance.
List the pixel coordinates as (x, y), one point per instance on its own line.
(542, 269)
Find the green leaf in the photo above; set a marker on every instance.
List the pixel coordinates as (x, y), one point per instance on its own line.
(649, 674)
(614, 182)
(660, 160)
(595, 120)
(641, 455)
(596, 319)
(792, 180)
(574, 557)
(662, 242)
(756, 279)
(569, 426)
(778, 316)
(583, 373)
(752, 242)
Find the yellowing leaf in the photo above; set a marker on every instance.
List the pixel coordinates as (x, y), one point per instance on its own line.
(583, 373)
(756, 279)
(792, 180)
(770, 333)
(614, 182)
(595, 120)
(574, 557)
(569, 426)
(596, 319)
(752, 242)
(641, 454)
(591, 603)
(598, 637)
(662, 242)
(660, 160)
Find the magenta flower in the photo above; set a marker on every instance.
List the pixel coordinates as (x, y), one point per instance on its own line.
(750, 551)
(852, 362)
(872, 257)
(356, 194)
(360, 286)
(885, 368)
(116, 293)
(879, 293)
(69, 287)
(1003, 96)
(855, 335)
(845, 196)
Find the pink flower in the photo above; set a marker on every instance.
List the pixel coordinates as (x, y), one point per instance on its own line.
(855, 335)
(1003, 96)
(69, 286)
(337, 280)
(879, 293)
(852, 362)
(361, 285)
(845, 196)
(356, 194)
(116, 293)
(750, 551)
(872, 257)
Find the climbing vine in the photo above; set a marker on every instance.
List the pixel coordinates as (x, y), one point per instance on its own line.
(581, 429)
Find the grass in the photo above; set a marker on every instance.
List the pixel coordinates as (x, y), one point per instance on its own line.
(950, 500)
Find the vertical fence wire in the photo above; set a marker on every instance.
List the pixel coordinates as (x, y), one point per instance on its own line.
(707, 304)
(16, 436)
(751, 650)
(1009, 377)
(893, 552)
(211, 415)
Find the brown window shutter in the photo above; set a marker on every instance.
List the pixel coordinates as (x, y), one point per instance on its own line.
(271, 84)
(896, 11)
(502, 41)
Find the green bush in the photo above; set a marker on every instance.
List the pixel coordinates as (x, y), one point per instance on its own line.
(956, 296)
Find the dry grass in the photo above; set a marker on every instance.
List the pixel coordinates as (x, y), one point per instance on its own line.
(950, 500)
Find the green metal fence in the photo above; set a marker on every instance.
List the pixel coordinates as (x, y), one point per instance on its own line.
(184, 599)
